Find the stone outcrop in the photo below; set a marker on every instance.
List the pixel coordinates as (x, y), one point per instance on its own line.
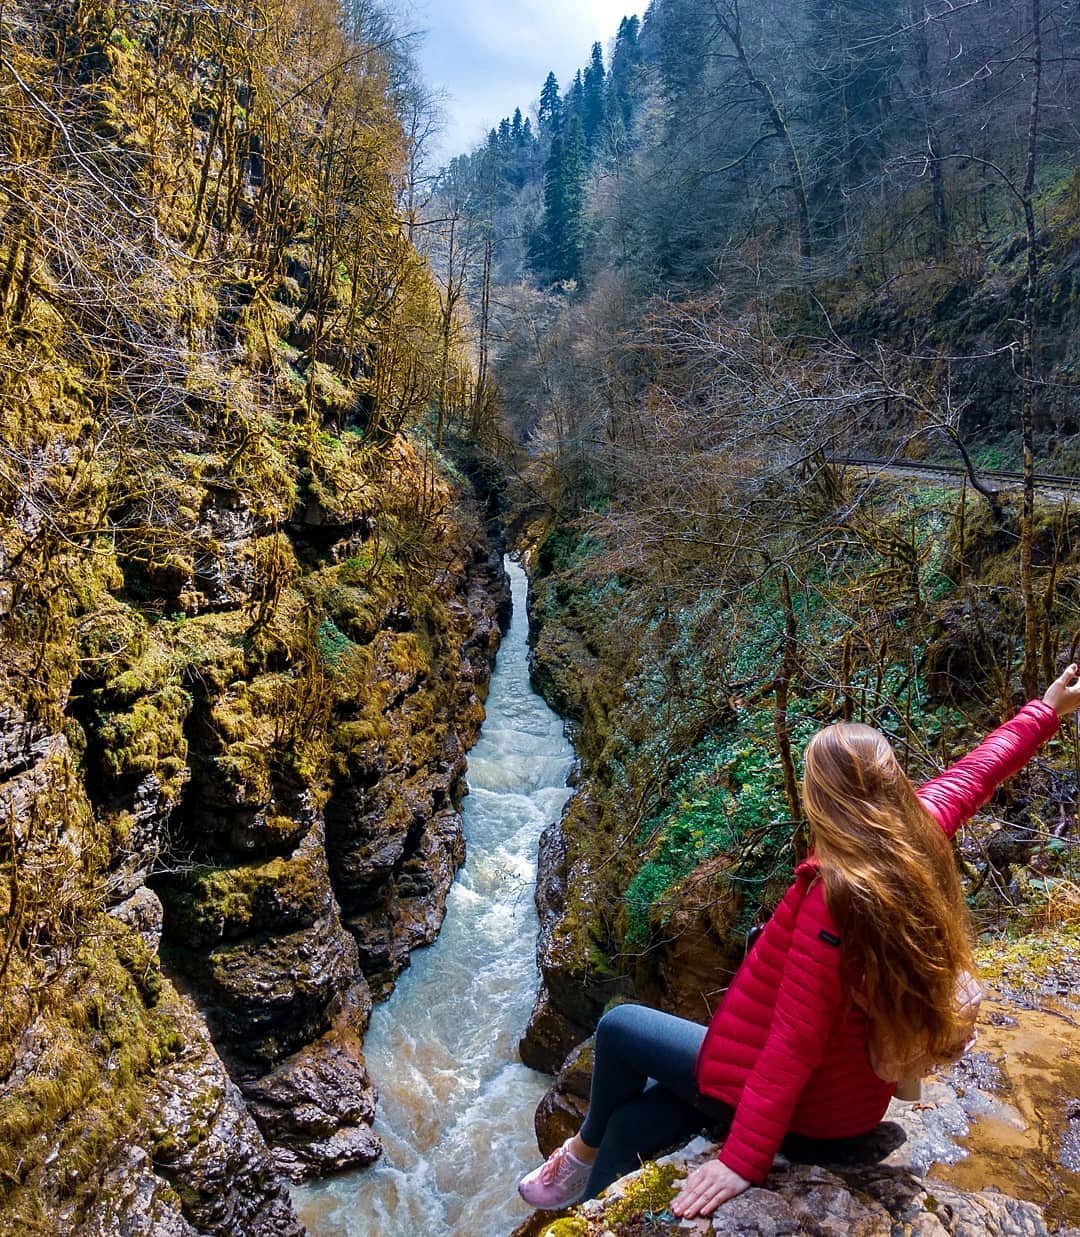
(248, 609)
(323, 865)
(316, 1107)
(573, 989)
(205, 1144)
(1004, 1115)
(875, 1200)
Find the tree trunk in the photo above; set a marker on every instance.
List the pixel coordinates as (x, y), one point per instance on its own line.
(1030, 672)
(732, 27)
(939, 237)
(781, 685)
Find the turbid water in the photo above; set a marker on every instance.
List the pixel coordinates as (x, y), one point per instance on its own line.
(456, 1105)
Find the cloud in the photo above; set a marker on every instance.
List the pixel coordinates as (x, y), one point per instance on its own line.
(491, 58)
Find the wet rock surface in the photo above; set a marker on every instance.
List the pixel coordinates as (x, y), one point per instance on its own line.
(1004, 1117)
(193, 1163)
(549, 1036)
(316, 1108)
(562, 1110)
(208, 1147)
(573, 992)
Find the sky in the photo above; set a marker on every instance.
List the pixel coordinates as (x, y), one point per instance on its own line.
(490, 56)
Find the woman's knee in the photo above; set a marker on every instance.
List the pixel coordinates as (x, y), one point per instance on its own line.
(621, 1023)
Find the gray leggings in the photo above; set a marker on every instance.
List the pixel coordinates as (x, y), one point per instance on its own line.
(644, 1097)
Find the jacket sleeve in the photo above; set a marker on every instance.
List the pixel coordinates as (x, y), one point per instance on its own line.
(957, 794)
(810, 996)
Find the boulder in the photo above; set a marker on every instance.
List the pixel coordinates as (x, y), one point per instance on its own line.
(873, 1200)
(562, 1110)
(209, 1148)
(142, 912)
(192, 1162)
(549, 1036)
(316, 1108)
(269, 995)
(1005, 1114)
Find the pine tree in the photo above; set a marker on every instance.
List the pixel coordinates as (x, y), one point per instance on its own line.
(554, 225)
(564, 203)
(575, 99)
(624, 61)
(549, 112)
(592, 101)
(574, 196)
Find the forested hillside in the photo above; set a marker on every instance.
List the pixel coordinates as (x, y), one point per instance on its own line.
(248, 608)
(867, 169)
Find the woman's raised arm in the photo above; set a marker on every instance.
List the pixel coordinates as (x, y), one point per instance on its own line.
(957, 794)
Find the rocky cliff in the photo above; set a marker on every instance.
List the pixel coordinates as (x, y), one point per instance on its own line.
(285, 824)
(248, 605)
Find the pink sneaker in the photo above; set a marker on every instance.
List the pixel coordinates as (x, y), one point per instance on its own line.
(558, 1182)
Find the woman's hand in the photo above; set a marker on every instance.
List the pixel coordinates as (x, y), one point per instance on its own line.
(1060, 696)
(706, 1188)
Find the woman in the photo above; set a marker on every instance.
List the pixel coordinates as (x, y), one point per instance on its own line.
(862, 965)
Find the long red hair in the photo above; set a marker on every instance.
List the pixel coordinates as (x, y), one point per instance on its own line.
(891, 884)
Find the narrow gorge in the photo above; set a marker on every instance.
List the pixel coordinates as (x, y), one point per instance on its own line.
(455, 1103)
(423, 564)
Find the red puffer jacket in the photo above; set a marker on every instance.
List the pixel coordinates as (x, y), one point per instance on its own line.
(786, 1049)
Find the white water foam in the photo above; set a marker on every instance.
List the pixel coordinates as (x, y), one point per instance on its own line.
(456, 1105)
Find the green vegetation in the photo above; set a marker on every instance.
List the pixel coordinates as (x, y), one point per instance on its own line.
(688, 831)
(227, 534)
(104, 1026)
(728, 799)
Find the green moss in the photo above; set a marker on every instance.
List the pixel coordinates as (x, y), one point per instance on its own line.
(728, 800)
(651, 1191)
(148, 739)
(212, 904)
(1031, 957)
(568, 1226)
(98, 1041)
(334, 645)
(272, 733)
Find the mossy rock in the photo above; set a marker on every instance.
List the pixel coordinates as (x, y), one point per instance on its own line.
(274, 993)
(273, 743)
(148, 739)
(98, 1039)
(108, 637)
(645, 1195)
(234, 901)
(567, 1226)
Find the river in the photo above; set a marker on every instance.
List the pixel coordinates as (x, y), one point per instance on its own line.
(455, 1103)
